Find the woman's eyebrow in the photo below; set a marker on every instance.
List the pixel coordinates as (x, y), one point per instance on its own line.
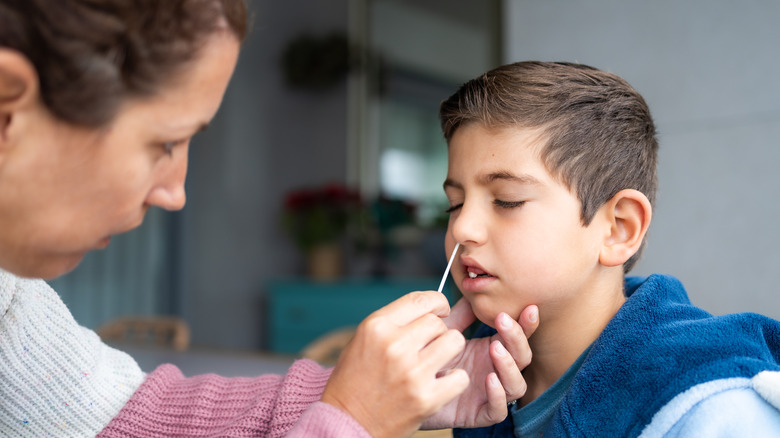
(189, 129)
(200, 128)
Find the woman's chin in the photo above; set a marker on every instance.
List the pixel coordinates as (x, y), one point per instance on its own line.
(51, 268)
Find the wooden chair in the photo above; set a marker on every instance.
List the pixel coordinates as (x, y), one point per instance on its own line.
(327, 348)
(168, 331)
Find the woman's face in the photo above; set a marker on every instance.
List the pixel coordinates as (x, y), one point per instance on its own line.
(66, 190)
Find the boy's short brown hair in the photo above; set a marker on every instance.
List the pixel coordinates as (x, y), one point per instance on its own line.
(600, 135)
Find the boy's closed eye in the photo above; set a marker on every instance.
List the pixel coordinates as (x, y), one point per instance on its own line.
(452, 208)
(497, 202)
(508, 204)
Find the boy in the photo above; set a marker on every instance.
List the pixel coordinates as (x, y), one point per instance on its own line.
(551, 182)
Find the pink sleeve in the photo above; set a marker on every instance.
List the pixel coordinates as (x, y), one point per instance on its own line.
(168, 404)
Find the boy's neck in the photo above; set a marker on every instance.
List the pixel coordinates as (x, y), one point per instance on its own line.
(566, 333)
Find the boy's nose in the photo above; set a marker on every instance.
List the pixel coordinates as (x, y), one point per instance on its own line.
(468, 226)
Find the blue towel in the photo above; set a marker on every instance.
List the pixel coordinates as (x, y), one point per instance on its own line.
(657, 346)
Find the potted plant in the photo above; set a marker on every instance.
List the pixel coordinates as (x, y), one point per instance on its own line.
(317, 220)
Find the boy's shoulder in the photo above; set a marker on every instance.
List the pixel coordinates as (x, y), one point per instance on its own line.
(658, 314)
(658, 346)
(726, 407)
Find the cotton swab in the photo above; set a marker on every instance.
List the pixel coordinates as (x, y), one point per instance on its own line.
(447, 271)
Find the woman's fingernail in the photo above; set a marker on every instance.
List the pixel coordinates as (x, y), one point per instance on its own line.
(534, 315)
(500, 350)
(494, 380)
(505, 321)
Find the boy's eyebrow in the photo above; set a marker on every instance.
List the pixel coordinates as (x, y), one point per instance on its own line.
(450, 183)
(502, 175)
(507, 176)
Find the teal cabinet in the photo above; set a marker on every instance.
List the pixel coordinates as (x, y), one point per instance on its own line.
(302, 310)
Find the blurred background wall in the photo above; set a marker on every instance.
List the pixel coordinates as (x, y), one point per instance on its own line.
(707, 68)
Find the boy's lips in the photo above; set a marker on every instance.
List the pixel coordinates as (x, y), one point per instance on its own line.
(476, 277)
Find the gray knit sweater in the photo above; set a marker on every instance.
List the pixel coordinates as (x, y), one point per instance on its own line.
(56, 377)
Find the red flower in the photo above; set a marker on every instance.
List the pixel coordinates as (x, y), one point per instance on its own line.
(319, 215)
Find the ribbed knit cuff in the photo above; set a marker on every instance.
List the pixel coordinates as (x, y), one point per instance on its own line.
(322, 420)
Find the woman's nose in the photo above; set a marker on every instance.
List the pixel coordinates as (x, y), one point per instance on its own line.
(169, 192)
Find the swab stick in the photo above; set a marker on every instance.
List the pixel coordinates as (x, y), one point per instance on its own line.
(447, 271)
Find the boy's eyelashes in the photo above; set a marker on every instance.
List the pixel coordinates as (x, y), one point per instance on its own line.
(497, 202)
(508, 204)
(453, 208)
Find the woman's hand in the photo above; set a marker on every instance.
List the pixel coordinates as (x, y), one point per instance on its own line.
(494, 365)
(388, 378)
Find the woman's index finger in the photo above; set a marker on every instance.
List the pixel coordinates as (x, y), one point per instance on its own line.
(414, 305)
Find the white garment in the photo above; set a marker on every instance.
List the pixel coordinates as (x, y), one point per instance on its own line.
(56, 377)
(724, 408)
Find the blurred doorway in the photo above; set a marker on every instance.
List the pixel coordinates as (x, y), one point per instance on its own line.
(415, 53)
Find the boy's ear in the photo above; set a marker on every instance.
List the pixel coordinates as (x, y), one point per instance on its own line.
(628, 214)
(18, 89)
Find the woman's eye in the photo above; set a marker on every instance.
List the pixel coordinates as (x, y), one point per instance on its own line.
(169, 145)
(508, 204)
(453, 208)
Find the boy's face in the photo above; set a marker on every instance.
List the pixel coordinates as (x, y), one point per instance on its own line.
(521, 235)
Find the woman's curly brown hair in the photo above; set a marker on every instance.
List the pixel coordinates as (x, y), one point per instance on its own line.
(90, 55)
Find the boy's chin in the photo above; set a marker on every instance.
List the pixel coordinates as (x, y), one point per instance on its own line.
(487, 310)
(489, 317)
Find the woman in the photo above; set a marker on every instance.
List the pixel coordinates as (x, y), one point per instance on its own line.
(98, 103)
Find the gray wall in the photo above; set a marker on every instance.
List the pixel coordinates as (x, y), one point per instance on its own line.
(709, 70)
(266, 140)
